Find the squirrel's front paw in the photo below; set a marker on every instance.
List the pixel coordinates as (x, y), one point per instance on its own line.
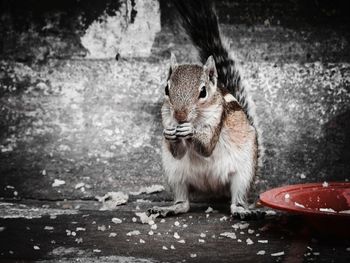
(170, 134)
(185, 130)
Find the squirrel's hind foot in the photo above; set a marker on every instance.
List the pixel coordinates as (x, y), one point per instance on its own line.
(244, 213)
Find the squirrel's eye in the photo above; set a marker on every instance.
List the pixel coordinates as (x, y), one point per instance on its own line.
(167, 90)
(203, 92)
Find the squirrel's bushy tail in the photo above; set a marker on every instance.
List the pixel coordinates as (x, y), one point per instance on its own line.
(201, 24)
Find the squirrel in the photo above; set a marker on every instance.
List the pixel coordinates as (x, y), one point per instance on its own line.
(210, 132)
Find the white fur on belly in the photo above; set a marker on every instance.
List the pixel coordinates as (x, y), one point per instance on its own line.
(228, 163)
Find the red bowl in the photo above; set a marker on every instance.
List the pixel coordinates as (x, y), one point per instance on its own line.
(325, 205)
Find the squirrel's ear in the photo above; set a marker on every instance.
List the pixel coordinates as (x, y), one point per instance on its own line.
(173, 61)
(210, 68)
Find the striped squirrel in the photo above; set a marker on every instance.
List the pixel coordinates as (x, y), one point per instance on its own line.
(210, 140)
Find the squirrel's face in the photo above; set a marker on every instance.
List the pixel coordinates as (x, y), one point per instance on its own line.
(190, 89)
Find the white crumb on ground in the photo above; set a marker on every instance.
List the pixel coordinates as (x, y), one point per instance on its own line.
(48, 228)
(79, 185)
(261, 252)
(172, 247)
(142, 241)
(162, 220)
(133, 233)
(112, 234)
(112, 199)
(263, 241)
(302, 176)
(134, 220)
(240, 226)
(58, 182)
(145, 219)
(251, 231)
(278, 254)
(176, 235)
(116, 220)
(184, 225)
(36, 247)
(193, 255)
(224, 218)
(80, 229)
(270, 213)
(209, 210)
(154, 227)
(201, 240)
(79, 240)
(229, 235)
(182, 241)
(155, 188)
(150, 233)
(249, 241)
(176, 223)
(96, 251)
(325, 184)
(164, 247)
(101, 228)
(202, 235)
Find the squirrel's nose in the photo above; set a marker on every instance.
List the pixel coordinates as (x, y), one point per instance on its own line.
(181, 116)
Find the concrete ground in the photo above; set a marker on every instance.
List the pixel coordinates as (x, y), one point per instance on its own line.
(73, 128)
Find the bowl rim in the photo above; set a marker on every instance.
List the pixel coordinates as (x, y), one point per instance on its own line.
(269, 199)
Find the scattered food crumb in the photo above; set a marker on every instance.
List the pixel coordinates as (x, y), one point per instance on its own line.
(133, 233)
(154, 227)
(238, 240)
(278, 254)
(48, 228)
(201, 240)
(240, 226)
(101, 228)
(145, 219)
(209, 210)
(251, 231)
(36, 247)
(58, 182)
(150, 233)
(116, 220)
(162, 220)
(164, 247)
(79, 185)
(302, 176)
(97, 250)
(270, 213)
(325, 184)
(202, 235)
(182, 241)
(176, 223)
(184, 225)
(142, 241)
(112, 234)
(112, 199)
(224, 218)
(249, 241)
(263, 241)
(172, 247)
(193, 255)
(79, 240)
(261, 252)
(134, 219)
(176, 235)
(229, 235)
(80, 229)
